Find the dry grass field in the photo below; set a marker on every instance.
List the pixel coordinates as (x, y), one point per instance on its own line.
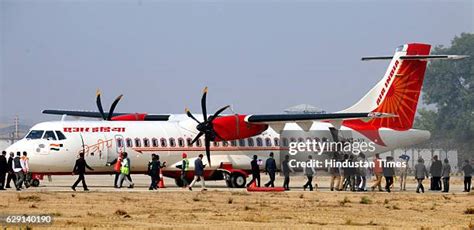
(218, 208)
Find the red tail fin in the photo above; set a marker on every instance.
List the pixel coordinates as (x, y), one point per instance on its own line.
(397, 93)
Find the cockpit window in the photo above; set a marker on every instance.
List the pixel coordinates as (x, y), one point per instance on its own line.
(35, 134)
(60, 135)
(49, 135)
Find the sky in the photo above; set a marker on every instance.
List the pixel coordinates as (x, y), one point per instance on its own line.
(258, 56)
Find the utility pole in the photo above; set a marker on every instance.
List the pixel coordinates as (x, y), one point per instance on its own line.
(17, 121)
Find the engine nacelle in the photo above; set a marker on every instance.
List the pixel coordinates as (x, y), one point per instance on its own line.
(130, 117)
(234, 127)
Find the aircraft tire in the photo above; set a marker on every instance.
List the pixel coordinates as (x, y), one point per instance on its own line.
(238, 180)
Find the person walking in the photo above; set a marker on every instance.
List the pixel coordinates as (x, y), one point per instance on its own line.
(362, 173)
(25, 163)
(125, 171)
(388, 172)
(270, 168)
(435, 170)
(378, 173)
(335, 174)
(117, 163)
(184, 170)
(255, 171)
(467, 170)
(153, 172)
(285, 170)
(445, 174)
(80, 169)
(198, 173)
(18, 170)
(11, 174)
(420, 173)
(3, 169)
(403, 171)
(309, 172)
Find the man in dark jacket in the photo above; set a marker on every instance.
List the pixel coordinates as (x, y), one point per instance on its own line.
(154, 171)
(270, 168)
(467, 170)
(255, 171)
(80, 169)
(285, 170)
(388, 172)
(11, 174)
(3, 169)
(198, 173)
(435, 170)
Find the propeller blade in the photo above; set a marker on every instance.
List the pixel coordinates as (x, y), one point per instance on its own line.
(218, 112)
(208, 148)
(197, 137)
(112, 107)
(203, 104)
(99, 105)
(191, 115)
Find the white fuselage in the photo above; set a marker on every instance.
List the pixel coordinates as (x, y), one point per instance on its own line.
(103, 140)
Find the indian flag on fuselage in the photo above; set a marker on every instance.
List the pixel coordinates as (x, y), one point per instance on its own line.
(55, 147)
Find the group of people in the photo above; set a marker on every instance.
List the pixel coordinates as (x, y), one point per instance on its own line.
(355, 178)
(15, 169)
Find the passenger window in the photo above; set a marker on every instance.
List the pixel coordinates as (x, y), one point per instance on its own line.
(180, 142)
(119, 143)
(172, 142)
(154, 142)
(285, 142)
(216, 144)
(35, 134)
(250, 141)
(268, 142)
(49, 135)
(259, 141)
(242, 142)
(189, 140)
(138, 142)
(233, 143)
(128, 142)
(301, 140)
(146, 142)
(225, 143)
(163, 142)
(60, 135)
(276, 141)
(198, 143)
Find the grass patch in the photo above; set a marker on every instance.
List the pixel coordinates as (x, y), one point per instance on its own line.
(33, 206)
(345, 201)
(56, 214)
(196, 199)
(230, 200)
(446, 197)
(365, 200)
(469, 211)
(301, 196)
(395, 207)
(31, 198)
(240, 194)
(386, 201)
(247, 208)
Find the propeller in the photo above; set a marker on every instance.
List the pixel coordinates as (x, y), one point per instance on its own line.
(206, 127)
(112, 107)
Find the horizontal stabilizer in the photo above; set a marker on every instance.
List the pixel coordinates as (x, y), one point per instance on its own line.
(417, 57)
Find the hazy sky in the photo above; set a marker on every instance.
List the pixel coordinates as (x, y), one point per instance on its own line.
(260, 57)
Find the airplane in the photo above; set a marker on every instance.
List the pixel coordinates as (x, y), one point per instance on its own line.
(384, 117)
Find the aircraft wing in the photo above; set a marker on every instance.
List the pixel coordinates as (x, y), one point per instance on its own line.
(277, 121)
(90, 114)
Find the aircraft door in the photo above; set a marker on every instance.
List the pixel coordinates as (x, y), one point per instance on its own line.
(119, 144)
